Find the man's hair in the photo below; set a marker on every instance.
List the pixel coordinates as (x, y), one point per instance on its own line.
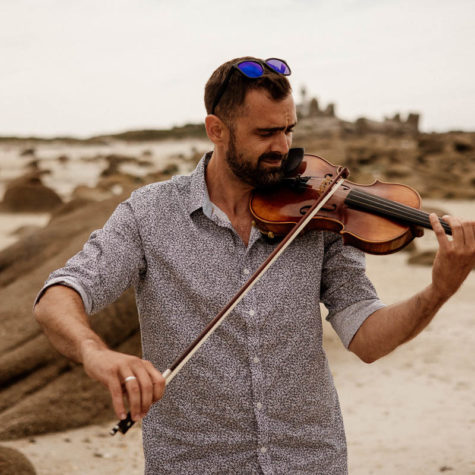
(234, 96)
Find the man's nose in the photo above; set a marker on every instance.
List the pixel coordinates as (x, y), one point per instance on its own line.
(281, 143)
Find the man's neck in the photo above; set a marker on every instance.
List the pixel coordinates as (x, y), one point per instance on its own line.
(226, 190)
(230, 194)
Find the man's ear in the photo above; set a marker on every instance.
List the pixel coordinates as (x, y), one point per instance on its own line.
(216, 129)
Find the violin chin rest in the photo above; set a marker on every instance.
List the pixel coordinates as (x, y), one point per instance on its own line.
(294, 159)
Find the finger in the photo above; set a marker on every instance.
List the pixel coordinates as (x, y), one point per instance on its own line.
(146, 388)
(115, 389)
(158, 381)
(132, 389)
(458, 237)
(438, 230)
(469, 232)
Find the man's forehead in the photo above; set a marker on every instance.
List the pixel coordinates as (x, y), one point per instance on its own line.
(261, 107)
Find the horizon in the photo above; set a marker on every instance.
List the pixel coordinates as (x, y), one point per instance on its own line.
(114, 133)
(98, 68)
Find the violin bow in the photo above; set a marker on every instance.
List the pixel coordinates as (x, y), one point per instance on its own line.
(326, 192)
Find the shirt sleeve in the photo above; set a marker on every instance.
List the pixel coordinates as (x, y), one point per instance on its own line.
(111, 261)
(346, 291)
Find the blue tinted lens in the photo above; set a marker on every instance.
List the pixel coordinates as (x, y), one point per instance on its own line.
(279, 66)
(251, 69)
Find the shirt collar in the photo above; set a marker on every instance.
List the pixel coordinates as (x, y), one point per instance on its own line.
(199, 196)
(199, 199)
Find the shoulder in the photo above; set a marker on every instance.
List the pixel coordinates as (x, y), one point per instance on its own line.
(341, 254)
(170, 190)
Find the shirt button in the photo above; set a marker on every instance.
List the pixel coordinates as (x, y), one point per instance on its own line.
(263, 450)
(256, 359)
(259, 405)
(252, 313)
(245, 271)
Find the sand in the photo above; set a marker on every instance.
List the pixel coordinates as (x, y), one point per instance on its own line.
(411, 412)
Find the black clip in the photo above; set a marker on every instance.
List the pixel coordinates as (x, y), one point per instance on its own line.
(298, 183)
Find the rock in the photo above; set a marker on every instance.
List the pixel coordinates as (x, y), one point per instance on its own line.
(314, 108)
(70, 206)
(27, 193)
(40, 390)
(94, 159)
(68, 399)
(413, 120)
(430, 144)
(27, 152)
(170, 169)
(422, 258)
(113, 163)
(330, 110)
(88, 193)
(32, 177)
(13, 462)
(463, 145)
(398, 171)
(410, 248)
(24, 231)
(125, 181)
(30, 197)
(33, 164)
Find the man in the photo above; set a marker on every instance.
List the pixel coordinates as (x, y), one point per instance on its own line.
(258, 397)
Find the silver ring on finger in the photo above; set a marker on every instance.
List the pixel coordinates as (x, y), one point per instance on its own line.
(129, 378)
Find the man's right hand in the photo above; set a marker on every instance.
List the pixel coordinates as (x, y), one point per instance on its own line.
(144, 386)
(62, 316)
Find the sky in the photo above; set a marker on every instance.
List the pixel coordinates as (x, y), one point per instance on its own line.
(86, 67)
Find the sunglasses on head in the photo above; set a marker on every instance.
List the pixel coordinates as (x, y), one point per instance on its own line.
(252, 69)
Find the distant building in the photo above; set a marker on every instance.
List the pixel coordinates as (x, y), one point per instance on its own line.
(313, 118)
(309, 107)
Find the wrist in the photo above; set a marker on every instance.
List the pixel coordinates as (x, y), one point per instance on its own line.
(434, 297)
(88, 346)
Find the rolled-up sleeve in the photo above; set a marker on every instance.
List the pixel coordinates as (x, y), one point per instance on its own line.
(348, 294)
(111, 261)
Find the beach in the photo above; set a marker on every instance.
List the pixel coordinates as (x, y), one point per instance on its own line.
(410, 412)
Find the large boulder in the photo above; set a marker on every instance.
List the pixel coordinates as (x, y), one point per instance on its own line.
(13, 462)
(41, 390)
(28, 193)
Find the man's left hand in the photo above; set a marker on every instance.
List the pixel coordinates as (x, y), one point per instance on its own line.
(455, 257)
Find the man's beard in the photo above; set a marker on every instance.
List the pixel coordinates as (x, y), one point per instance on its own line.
(256, 176)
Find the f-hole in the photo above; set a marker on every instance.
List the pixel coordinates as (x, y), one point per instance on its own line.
(328, 209)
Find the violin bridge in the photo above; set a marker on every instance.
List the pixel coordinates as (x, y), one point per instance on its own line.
(324, 185)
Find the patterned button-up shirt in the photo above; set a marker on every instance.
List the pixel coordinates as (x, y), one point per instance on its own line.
(258, 396)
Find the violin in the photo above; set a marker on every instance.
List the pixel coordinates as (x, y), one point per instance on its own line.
(380, 218)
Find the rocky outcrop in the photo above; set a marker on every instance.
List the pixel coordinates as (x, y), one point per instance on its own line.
(13, 462)
(28, 193)
(41, 390)
(313, 117)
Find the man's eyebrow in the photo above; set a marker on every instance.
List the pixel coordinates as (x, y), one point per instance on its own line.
(276, 129)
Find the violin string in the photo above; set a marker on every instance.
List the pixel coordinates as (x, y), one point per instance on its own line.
(393, 208)
(389, 208)
(385, 206)
(388, 205)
